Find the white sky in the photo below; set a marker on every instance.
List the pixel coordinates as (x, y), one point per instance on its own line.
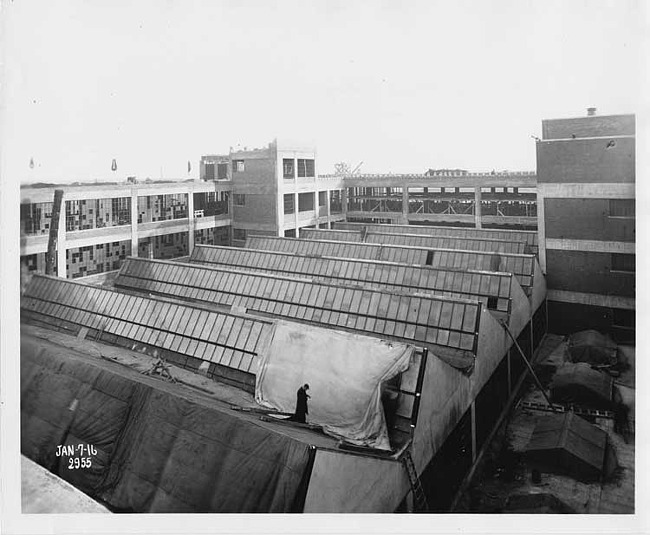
(402, 86)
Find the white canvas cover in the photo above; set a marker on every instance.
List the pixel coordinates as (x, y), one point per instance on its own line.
(344, 372)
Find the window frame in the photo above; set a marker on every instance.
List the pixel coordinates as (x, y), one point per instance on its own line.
(622, 268)
(612, 202)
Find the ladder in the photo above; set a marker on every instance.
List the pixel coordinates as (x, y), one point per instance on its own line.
(420, 504)
(581, 411)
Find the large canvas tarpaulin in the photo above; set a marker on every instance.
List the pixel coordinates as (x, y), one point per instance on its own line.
(592, 347)
(160, 447)
(580, 384)
(344, 372)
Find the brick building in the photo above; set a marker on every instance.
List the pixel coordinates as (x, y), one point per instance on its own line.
(586, 207)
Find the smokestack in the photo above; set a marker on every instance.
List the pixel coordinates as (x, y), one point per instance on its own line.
(591, 112)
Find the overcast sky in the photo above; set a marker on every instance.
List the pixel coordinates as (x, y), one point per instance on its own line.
(400, 85)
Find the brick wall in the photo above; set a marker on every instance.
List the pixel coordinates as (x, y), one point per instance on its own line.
(586, 161)
(586, 219)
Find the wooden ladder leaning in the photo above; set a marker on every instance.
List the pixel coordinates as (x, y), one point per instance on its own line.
(420, 504)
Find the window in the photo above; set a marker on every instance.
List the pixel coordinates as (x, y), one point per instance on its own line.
(222, 171)
(209, 171)
(623, 318)
(287, 167)
(623, 262)
(238, 166)
(322, 198)
(306, 168)
(289, 205)
(305, 202)
(239, 234)
(621, 208)
(239, 199)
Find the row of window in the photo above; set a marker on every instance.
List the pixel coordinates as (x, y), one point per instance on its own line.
(305, 202)
(303, 167)
(216, 171)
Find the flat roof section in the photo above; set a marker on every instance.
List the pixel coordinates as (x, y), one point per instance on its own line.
(449, 327)
(527, 236)
(522, 266)
(492, 288)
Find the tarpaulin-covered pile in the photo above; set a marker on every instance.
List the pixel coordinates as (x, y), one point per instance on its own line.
(345, 373)
(159, 447)
(592, 347)
(580, 384)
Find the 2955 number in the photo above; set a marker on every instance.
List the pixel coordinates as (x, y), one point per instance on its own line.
(74, 463)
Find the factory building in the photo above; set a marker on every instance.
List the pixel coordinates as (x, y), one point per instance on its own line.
(444, 308)
(413, 338)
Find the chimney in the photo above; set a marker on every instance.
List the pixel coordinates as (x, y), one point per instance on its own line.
(591, 112)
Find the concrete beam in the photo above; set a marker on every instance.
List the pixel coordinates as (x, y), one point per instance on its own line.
(566, 190)
(580, 298)
(593, 246)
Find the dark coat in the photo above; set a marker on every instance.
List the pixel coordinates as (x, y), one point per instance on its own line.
(301, 405)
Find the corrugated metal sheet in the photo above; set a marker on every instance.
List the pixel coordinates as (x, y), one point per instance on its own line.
(314, 247)
(215, 337)
(426, 321)
(521, 266)
(491, 288)
(527, 236)
(447, 242)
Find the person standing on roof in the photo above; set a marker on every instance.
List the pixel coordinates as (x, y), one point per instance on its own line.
(301, 405)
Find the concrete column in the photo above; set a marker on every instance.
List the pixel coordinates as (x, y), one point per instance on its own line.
(329, 209)
(134, 221)
(61, 270)
(295, 213)
(532, 336)
(190, 220)
(405, 206)
(473, 423)
(509, 371)
(541, 229)
(344, 202)
(477, 206)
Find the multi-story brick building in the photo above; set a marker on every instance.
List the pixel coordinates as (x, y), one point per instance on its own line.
(276, 190)
(586, 206)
